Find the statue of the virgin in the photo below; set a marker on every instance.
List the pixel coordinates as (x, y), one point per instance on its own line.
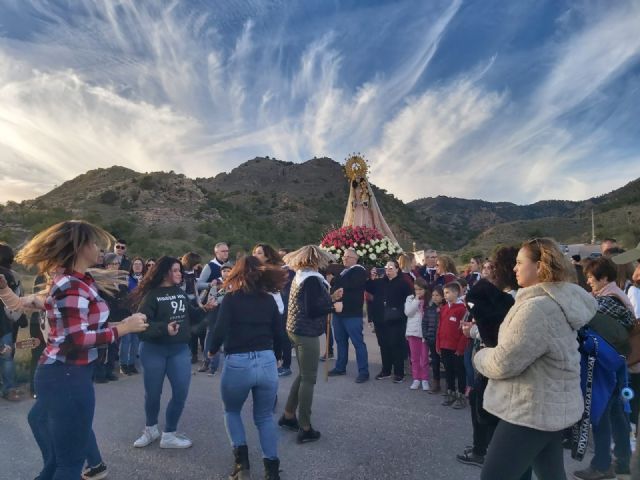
(362, 207)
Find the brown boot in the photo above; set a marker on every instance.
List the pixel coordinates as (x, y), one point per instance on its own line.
(434, 386)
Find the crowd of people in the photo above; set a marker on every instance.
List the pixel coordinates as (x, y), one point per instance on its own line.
(510, 334)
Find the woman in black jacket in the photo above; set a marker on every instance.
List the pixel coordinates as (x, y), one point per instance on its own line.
(248, 324)
(488, 301)
(309, 305)
(390, 293)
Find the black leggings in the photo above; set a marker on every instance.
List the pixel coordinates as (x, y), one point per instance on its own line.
(454, 370)
(197, 338)
(434, 360)
(514, 448)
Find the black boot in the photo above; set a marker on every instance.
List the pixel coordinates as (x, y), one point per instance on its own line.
(241, 467)
(271, 469)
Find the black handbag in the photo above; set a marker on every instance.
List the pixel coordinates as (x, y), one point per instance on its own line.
(392, 314)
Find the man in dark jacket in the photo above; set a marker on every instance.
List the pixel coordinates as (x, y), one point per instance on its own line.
(349, 323)
(120, 249)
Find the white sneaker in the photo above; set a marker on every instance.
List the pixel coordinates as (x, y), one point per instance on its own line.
(174, 440)
(149, 435)
(425, 385)
(415, 385)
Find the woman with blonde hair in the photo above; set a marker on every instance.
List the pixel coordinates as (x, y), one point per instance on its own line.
(77, 317)
(309, 305)
(534, 370)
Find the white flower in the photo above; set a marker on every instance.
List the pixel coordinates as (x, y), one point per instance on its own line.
(355, 244)
(360, 253)
(373, 256)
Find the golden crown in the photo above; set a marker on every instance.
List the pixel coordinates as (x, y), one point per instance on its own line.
(356, 166)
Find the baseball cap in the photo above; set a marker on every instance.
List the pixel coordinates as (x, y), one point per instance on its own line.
(628, 256)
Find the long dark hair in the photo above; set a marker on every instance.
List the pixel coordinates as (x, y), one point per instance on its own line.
(252, 276)
(153, 278)
(503, 262)
(273, 257)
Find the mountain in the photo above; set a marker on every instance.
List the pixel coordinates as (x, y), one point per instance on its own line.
(290, 204)
(262, 200)
(480, 225)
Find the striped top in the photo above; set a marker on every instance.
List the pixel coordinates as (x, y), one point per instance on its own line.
(77, 317)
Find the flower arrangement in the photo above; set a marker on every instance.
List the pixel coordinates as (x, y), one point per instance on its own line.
(373, 248)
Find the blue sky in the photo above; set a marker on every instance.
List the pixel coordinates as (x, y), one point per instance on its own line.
(516, 101)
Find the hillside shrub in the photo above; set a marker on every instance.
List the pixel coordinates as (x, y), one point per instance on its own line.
(147, 182)
(108, 197)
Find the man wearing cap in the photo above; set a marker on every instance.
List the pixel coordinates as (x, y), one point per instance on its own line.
(629, 256)
(348, 324)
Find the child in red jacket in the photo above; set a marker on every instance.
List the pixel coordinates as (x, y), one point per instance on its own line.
(451, 344)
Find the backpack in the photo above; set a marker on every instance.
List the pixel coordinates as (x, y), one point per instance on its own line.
(600, 365)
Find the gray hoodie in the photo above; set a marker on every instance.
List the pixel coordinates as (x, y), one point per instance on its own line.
(534, 372)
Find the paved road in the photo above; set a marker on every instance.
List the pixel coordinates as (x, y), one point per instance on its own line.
(377, 430)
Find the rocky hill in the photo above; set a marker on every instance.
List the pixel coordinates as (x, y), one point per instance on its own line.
(480, 225)
(264, 199)
(289, 204)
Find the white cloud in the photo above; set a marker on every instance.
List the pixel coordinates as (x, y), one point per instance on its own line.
(165, 86)
(412, 157)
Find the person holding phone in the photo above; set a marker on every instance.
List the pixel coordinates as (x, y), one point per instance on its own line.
(164, 349)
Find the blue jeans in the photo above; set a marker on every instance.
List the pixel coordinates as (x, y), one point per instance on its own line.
(613, 423)
(174, 362)
(129, 349)
(7, 365)
(37, 419)
(61, 419)
(254, 372)
(345, 328)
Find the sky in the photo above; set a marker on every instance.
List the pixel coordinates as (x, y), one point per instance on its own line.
(503, 101)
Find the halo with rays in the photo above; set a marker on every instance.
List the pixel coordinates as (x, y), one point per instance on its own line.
(356, 166)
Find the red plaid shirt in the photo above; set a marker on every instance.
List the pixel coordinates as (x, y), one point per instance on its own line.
(77, 317)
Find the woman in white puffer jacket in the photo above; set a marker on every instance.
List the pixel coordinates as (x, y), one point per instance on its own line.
(534, 371)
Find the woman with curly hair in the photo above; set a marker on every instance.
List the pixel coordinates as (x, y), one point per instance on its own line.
(488, 302)
(164, 349)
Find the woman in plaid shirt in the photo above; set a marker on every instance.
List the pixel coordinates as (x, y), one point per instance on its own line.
(77, 318)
